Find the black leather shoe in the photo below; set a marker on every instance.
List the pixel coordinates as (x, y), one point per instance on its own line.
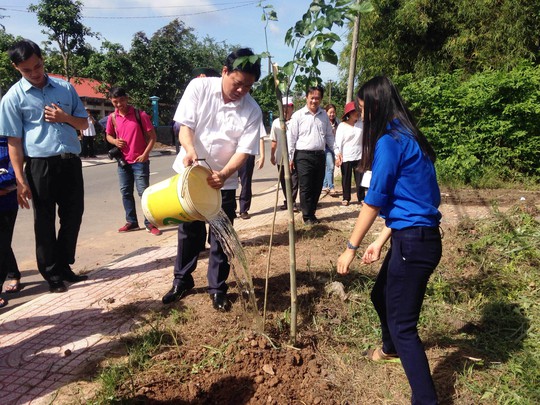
(175, 293)
(220, 302)
(57, 287)
(74, 278)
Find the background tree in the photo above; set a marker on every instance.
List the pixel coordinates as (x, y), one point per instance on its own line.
(110, 65)
(63, 21)
(8, 75)
(429, 37)
(163, 64)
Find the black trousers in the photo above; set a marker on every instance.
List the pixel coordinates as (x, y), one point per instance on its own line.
(56, 182)
(348, 170)
(294, 183)
(310, 166)
(8, 264)
(191, 241)
(87, 146)
(246, 176)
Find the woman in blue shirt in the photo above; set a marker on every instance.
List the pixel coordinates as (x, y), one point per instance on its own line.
(404, 191)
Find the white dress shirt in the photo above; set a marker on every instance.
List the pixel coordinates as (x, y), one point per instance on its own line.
(275, 136)
(221, 130)
(308, 131)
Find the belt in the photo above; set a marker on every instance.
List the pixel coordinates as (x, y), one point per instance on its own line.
(61, 156)
(311, 152)
(68, 155)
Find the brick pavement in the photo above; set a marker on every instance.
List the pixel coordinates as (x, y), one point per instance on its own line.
(46, 343)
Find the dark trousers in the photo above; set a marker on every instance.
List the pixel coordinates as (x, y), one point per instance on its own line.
(191, 241)
(8, 264)
(311, 167)
(56, 182)
(398, 294)
(348, 170)
(294, 183)
(87, 146)
(246, 176)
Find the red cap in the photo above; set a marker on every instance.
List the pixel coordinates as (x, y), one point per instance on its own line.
(349, 107)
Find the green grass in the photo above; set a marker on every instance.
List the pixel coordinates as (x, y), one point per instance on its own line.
(482, 305)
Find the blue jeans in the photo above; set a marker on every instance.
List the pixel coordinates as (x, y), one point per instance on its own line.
(137, 174)
(398, 295)
(329, 174)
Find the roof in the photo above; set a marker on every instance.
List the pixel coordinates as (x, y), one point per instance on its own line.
(84, 87)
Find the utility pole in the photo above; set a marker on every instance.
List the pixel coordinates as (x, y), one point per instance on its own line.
(330, 82)
(354, 53)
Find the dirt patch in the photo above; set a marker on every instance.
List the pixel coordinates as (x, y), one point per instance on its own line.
(216, 358)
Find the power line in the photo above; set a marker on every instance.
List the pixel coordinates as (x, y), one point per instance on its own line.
(248, 3)
(170, 16)
(24, 8)
(158, 7)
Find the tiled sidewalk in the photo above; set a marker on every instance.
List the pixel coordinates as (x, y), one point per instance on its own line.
(47, 342)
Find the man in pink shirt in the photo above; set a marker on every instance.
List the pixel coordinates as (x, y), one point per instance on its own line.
(132, 132)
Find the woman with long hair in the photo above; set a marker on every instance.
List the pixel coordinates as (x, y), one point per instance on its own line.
(404, 191)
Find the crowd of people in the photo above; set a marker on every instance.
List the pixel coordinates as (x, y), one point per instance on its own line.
(220, 122)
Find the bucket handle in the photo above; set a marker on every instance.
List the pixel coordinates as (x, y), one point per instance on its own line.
(184, 180)
(205, 162)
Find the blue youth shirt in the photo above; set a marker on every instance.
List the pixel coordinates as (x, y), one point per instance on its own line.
(22, 116)
(8, 202)
(403, 183)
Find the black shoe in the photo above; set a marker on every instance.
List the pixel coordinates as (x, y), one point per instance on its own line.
(220, 301)
(175, 293)
(74, 278)
(245, 215)
(57, 287)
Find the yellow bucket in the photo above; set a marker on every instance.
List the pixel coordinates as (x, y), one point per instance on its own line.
(186, 197)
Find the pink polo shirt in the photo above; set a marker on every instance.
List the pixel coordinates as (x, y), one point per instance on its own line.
(128, 129)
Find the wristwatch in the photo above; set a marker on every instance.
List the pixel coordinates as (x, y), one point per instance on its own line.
(351, 246)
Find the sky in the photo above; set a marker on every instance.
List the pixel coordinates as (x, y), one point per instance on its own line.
(234, 21)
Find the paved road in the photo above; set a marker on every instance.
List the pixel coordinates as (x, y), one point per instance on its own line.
(99, 243)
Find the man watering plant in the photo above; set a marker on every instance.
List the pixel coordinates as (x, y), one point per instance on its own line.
(220, 122)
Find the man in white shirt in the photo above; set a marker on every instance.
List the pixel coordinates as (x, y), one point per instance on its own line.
(307, 134)
(220, 122)
(276, 151)
(88, 135)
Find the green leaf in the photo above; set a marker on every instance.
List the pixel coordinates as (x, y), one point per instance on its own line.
(288, 68)
(328, 55)
(363, 7)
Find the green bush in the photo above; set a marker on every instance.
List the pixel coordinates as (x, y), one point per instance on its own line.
(485, 127)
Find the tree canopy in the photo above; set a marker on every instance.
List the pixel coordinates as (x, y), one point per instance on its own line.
(62, 18)
(429, 37)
